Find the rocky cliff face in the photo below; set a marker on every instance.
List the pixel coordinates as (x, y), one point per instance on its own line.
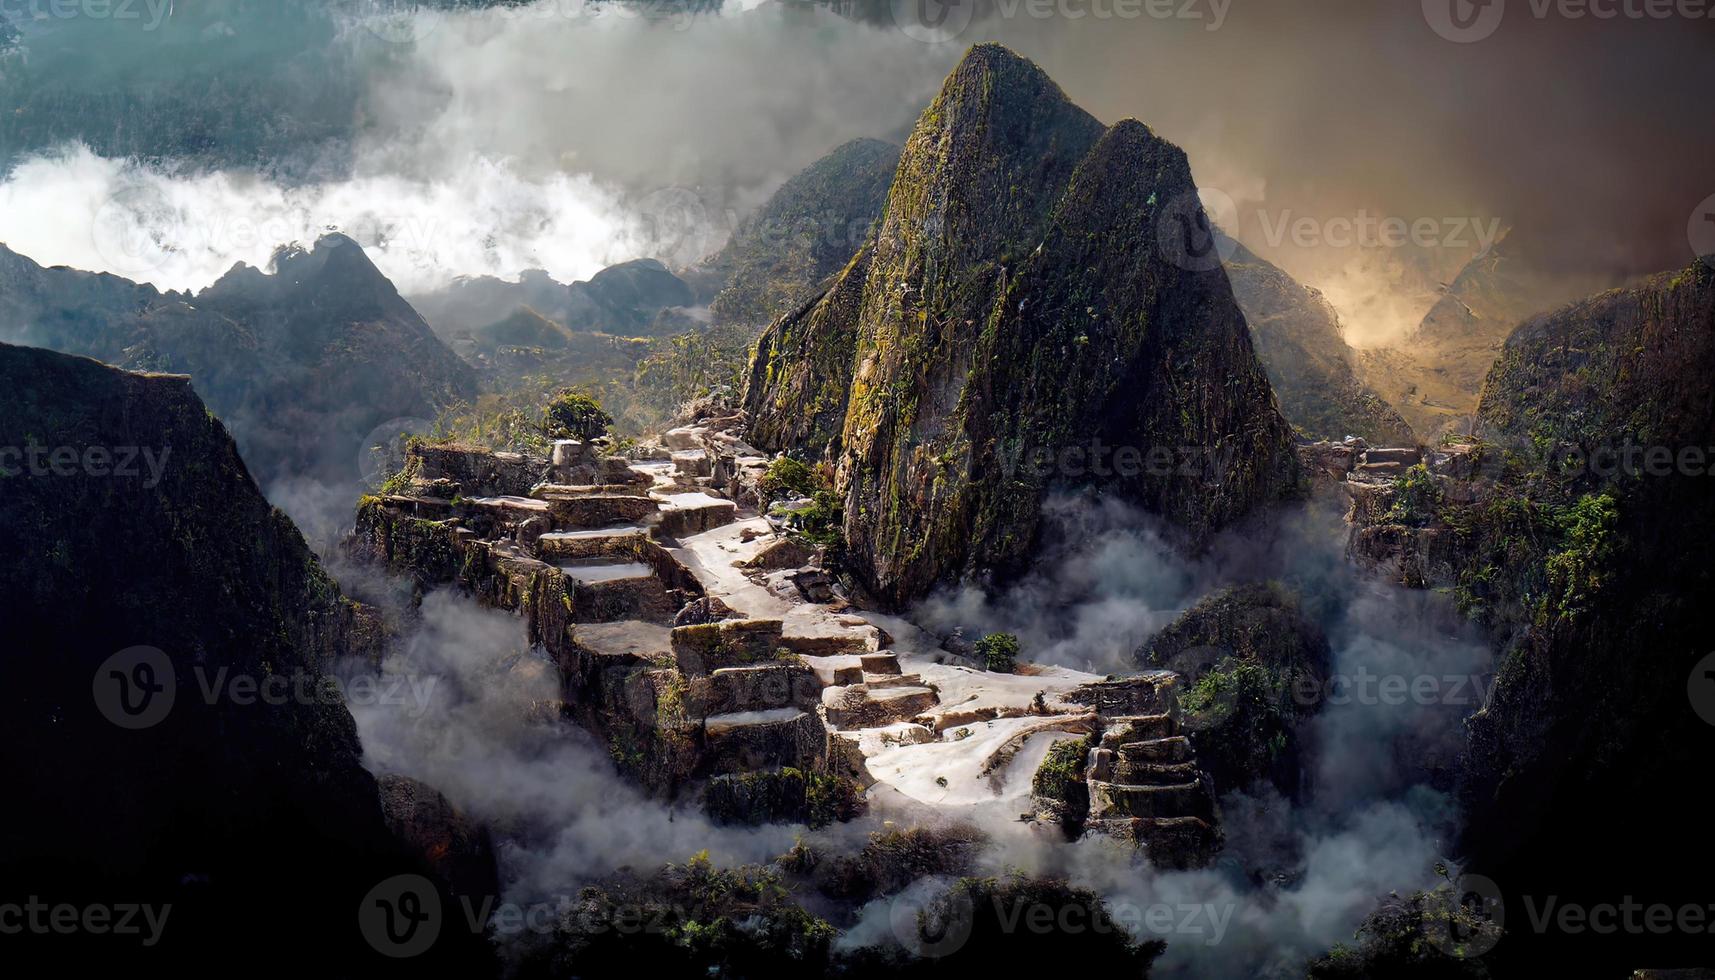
(215, 771)
(1298, 339)
(805, 233)
(1589, 722)
(1016, 301)
(301, 363)
(1575, 530)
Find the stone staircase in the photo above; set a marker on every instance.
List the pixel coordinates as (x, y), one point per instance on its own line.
(1410, 550)
(1376, 464)
(1141, 776)
(674, 648)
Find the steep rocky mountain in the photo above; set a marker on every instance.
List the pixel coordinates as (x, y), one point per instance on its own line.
(302, 361)
(166, 724)
(1574, 528)
(1299, 341)
(1016, 300)
(624, 300)
(805, 233)
(1433, 377)
(1594, 717)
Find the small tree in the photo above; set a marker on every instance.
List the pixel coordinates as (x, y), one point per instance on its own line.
(572, 414)
(999, 652)
(786, 478)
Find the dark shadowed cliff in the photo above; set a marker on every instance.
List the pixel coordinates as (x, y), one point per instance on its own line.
(168, 727)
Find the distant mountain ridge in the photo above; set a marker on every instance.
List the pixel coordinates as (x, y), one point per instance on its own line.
(625, 300)
(806, 232)
(1434, 375)
(1298, 338)
(301, 362)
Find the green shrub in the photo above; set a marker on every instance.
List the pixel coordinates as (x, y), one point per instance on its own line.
(1416, 498)
(787, 478)
(1060, 770)
(998, 652)
(1576, 572)
(572, 414)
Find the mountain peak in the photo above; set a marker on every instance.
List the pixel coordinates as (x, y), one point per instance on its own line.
(995, 58)
(993, 78)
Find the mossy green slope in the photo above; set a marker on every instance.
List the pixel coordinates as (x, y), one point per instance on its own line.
(1015, 299)
(800, 373)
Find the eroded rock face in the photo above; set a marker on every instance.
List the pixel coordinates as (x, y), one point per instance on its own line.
(1257, 670)
(460, 850)
(1590, 573)
(1622, 592)
(1017, 297)
(128, 778)
(801, 372)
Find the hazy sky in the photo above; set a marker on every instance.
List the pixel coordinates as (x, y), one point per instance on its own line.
(555, 134)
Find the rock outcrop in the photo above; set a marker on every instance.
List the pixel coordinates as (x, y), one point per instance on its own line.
(1257, 670)
(460, 850)
(167, 724)
(1019, 297)
(301, 363)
